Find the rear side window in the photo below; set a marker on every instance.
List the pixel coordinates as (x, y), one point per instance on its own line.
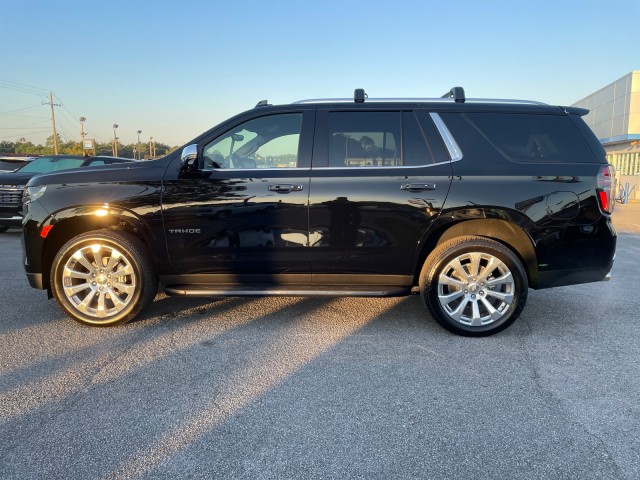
(534, 138)
(364, 139)
(383, 139)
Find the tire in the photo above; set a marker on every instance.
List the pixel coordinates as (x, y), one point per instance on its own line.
(473, 286)
(4, 228)
(95, 296)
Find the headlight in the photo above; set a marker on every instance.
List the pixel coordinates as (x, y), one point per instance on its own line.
(31, 194)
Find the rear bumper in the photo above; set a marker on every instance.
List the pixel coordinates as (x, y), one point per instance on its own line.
(559, 278)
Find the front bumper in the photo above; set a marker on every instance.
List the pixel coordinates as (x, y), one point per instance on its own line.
(35, 280)
(11, 220)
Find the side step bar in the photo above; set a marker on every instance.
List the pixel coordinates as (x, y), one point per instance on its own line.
(285, 290)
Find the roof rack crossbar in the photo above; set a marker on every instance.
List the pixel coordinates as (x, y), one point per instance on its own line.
(359, 95)
(457, 93)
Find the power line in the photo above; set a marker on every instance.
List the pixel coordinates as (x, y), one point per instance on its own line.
(27, 126)
(98, 138)
(23, 134)
(22, 87)
(10, 112)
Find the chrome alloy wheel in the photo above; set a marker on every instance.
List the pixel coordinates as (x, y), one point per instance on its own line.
(476, 289)
(98, 280)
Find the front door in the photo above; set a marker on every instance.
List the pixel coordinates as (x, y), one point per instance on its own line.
(242, 216)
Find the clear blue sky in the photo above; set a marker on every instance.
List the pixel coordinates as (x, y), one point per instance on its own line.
(176, 68)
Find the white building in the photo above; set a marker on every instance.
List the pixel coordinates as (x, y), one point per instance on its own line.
(614, 116)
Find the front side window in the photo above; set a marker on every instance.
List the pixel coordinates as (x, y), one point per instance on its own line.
(267, 142)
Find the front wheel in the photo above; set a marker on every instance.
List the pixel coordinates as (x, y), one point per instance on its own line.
(473, 286)
(103, 278)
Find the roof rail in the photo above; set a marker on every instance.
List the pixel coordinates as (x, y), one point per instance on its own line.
(457, 93)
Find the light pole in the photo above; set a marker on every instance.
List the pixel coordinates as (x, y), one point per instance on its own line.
(139, 132)
(150, 150)
(115, 140)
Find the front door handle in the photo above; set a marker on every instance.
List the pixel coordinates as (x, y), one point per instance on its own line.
(285, 188)
(417, 187)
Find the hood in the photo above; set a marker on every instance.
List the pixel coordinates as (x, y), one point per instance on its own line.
(15, 178)
(120, 172)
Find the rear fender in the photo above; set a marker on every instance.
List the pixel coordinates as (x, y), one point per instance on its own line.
(509, 228)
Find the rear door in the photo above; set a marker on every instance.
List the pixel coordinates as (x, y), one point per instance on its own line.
(379, 179)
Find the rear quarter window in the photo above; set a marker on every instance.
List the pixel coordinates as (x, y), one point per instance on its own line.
(533, 138)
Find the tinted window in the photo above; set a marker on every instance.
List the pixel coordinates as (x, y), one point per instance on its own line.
(265, 142)
(47, 164)
(422, 142)
(8, 165)
(533, 138)
(364, 139)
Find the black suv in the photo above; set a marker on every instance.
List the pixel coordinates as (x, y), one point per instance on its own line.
(468, 203)
(12, 183)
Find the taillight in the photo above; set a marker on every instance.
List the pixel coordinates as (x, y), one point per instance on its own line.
(606, 188)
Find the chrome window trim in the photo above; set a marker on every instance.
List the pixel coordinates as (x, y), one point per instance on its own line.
(404, 167)
(270, 169)
(449, 141)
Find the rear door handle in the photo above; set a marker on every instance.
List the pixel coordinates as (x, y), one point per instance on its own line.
(417, 187)
(285, 188)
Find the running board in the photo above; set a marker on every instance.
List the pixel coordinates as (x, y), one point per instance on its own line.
(285, 290)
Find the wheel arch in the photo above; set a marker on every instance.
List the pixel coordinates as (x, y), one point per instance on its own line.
(508, 233)
(71, 223)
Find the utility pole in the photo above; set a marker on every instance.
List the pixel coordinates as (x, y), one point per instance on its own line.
(115, 140)
(53, 122)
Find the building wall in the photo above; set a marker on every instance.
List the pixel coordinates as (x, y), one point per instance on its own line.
(614, 109)
(614, 116)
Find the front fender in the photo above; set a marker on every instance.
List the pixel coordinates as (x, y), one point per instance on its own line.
(70, 222)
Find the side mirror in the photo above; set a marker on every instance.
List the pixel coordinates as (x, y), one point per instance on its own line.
(189, 157)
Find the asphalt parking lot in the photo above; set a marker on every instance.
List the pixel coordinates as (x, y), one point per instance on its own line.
(323, 388)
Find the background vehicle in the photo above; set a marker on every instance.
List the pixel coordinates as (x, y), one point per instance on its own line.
(467, 203)
(12, 183)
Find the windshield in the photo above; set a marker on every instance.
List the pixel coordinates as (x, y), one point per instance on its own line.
(10, 165)
(51, 164)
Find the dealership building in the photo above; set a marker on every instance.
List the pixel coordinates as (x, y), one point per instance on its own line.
(614, 116)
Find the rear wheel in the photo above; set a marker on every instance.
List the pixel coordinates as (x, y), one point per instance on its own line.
(474, 286)
(103, 278)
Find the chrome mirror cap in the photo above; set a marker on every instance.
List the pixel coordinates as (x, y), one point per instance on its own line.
(189, 154)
